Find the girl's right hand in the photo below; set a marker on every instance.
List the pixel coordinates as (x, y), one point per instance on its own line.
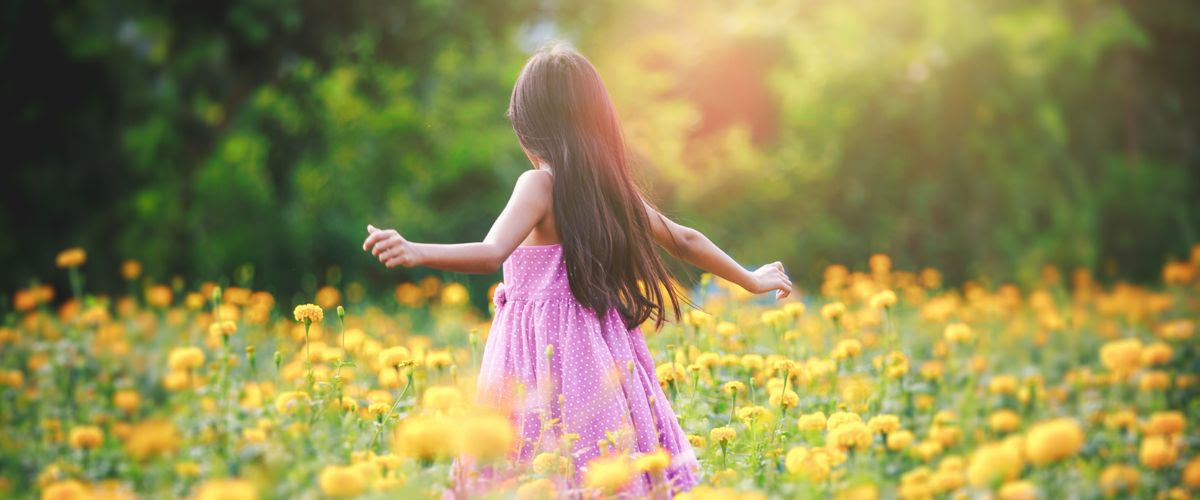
(391, 248)
(770, 277)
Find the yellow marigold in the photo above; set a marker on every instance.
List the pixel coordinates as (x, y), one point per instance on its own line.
(152, 438)
(608, 474)
(928, 449)
(751, 414)
(1003, 384)
(176, 380)
(486, 437)
(538, 489)
(994, 462)
(394, 356)
(254, 435)
(883, 424)
(69, 489)
(185, 358)
(722, 434)
(752, 362)
(814, 421)
(784, 399)
(795, 459)
(308, 313)
(442, 397)
(1122, 419)
(847, 348)
(159, 296)
(289, 401)
(958, 333)
(729, 388)
(127, 400)
(1004, 421)
(653, 462)
(71, 257)
(1157, 452)
(794, 309)
(842, 417)
(1156, 354)
(131, 269)
(849, 435)
(882, 299)
(726, 329)
(454, 294)
(1018, 490)
(187, 468)
(223, 328)
(425, 437)
(342, 481)
(1155, 380)
(1053, 440)
(549, 463)
(833, 311)
(85, 437)
(696, 440)
(899, 440)
(1191, 473)
(227, 489)
(1122, 356)
(1119, 477)
(1165, 423)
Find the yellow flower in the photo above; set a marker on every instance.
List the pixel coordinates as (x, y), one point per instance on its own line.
(814, 421)
(784, 399)
(795, 459)
(1003, 384)
(899, 440)
(722, 434)
(1122, 356)
(131, 269)
(71, 257)
(847, 348)
(549, 463)
(425, 437)
(726, 329)
(1053, 440)
(486, 437)
(69, 489)
(1004, 421)
(342, 481)
(1157, 452)
(159, 296)
(849, 435)
(289, 401)
(187, 468)
(608, 474)
(653, 462)
(538, 489)
(883, 424)
(1156, 354)
(455, 294)
(185, 358)
(442, 397)
(86, 436)
(958, 333)
(794, 309)
(732, 387)
(1191, 473)
(994, 462)
(885, 298)
(227, 489)
(833, 311)
(308, 313)
(1119, 477)
(152, 438)
(842, 417)
(1018, 490)
(127, 400)
(1165, 423)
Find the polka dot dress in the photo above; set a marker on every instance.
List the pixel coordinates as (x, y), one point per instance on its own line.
(561, 370)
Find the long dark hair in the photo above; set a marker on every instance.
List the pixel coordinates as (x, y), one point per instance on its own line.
(562, 114)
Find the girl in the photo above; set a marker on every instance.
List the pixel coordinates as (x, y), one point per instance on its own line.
(577, 243)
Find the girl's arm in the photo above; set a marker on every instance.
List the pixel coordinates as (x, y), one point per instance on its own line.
(694, 247)
(530, 201)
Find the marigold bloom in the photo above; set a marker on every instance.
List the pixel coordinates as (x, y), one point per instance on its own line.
(883, 424)
(394, 356)
(899, 440)
(1119, 477)
(342, 481)
(1191, 473)
(127, 400)
(608, 474)
(308, 313)
(833, 311)
(71, 257)
(654, 462)
(1165, 423)
(131, 269)
(994, 462)
(1004, 421)
(1122, 356)
(958, 333)
(883, 299)
(1053, 440)
(722, 434)
(85, 437)
(1157, 452)
(814, 421)
(454, 294)
(425, 437)
(185, 358)
(227, 489)
(1018, 490)
(485, 437)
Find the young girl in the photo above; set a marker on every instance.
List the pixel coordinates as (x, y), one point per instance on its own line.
(577, 243)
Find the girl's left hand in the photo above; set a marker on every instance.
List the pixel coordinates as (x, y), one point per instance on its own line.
(391, 248)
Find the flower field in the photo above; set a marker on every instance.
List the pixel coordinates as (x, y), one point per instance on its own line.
(881, 384)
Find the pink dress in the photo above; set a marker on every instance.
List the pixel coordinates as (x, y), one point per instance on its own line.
(599, 382)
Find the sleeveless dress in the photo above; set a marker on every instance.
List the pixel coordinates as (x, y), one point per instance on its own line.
(599, 381)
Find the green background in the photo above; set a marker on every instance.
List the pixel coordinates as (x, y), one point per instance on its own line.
(984, 137)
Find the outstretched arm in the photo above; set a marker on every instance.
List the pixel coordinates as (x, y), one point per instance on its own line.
(694, 247)
(530, 201)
